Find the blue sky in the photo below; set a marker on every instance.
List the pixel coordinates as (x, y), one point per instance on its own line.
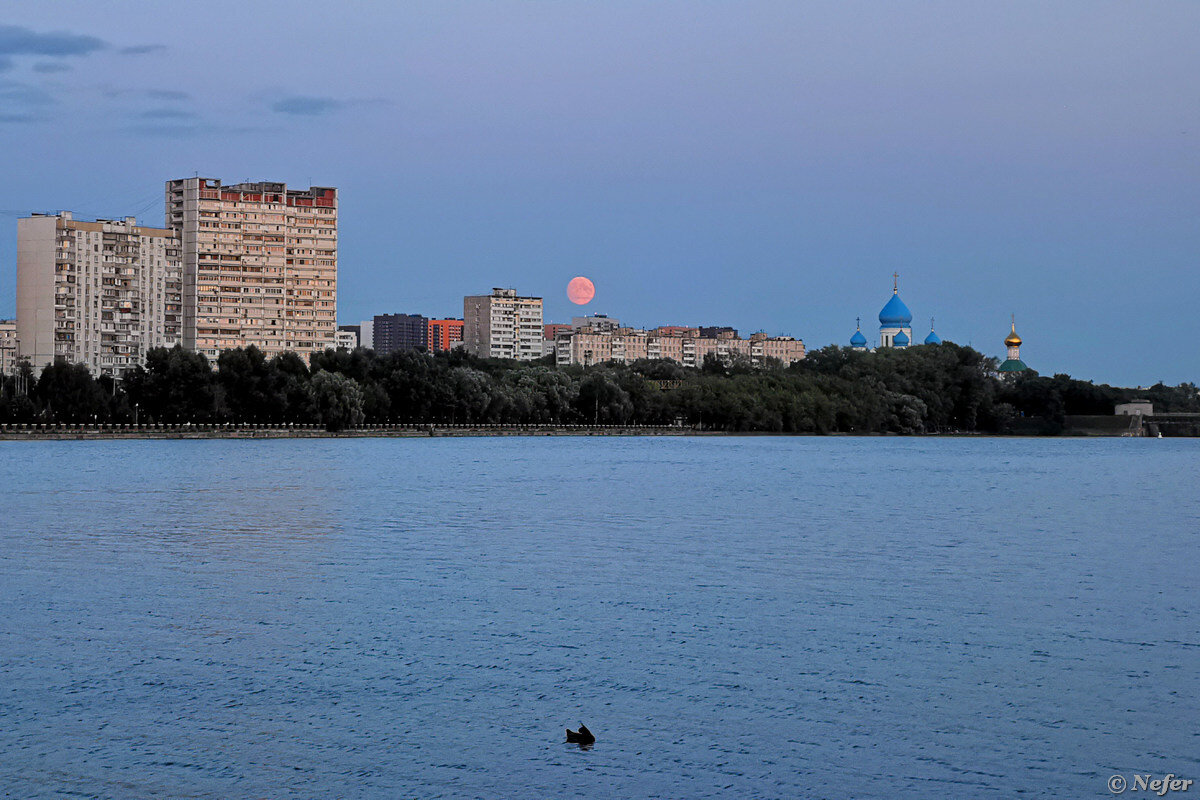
(762, 165)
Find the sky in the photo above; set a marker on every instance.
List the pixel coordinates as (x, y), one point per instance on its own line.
(756, 164)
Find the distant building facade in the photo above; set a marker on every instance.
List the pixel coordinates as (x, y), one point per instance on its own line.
(445, 334)
(1133, 407)
(588, 345)
(259, 265)
(503, 325)
(597, 322)
(394, 332)
(550, 332)
(366, 334)
(347, 337)
(8, 346)
(99, 293)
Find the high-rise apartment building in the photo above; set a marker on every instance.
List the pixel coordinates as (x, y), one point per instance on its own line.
(99, 293)
(503, 325)
(259, 265)
(394, 332)
(8, 346)
(444, 334)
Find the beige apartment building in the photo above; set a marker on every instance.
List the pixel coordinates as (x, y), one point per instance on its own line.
(99, 293)
(503, 325)
(8, 346)
(594, 345)
(259, 265)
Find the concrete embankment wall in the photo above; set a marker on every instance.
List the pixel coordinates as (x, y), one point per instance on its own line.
(1103, 425)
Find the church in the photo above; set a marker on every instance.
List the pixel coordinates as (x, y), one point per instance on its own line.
(895, 324)
(895, 331)
(1012, 344)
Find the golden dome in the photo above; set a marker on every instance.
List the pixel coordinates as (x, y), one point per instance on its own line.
(1012, 340)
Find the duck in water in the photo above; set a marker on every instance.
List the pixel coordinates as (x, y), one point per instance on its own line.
(582, 737)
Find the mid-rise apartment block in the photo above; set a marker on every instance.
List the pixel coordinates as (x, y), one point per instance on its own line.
(445, 334)
(100, 293)
(347, 337)
(589, 345)
(503, 325)
(550, 332)
(394, 332)
(259, 265)
(8, 346)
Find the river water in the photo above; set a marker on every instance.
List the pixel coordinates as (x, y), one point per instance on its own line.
(732, 617)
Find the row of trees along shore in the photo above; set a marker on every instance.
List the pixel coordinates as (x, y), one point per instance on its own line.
(925, 389)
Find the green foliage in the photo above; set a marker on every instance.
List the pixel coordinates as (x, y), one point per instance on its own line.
(336, 400)
(924, 389)
(175, 386)
(68, 393)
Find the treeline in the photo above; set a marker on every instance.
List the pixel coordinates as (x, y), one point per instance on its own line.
(938, 388)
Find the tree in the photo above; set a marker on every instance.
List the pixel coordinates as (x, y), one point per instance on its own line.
(336, 400)
(176, 385)
(68, 393)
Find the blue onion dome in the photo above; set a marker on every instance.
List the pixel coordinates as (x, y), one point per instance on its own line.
(901, 339)
(933, 338)
(895, 314)
(858, 340)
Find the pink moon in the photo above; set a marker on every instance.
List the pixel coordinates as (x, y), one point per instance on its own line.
(580, 291)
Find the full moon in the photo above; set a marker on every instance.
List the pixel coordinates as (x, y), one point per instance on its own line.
(580, 291)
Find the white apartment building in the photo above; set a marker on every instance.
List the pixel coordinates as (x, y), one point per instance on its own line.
(99, 293)
(259, 265)
(503, 325)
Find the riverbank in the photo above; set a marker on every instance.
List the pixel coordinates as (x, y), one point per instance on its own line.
(229, 431)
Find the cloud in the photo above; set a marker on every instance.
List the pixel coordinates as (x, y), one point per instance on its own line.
(301, 105)
(15, 40)
(51, 66)
(142, 49)
(19, 119)
(5, 64)
(167, 94)
(21, 94)
(170, 129)
(180, 129)
(166, 113)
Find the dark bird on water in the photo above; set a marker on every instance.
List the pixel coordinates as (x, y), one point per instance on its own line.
(581, 736)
